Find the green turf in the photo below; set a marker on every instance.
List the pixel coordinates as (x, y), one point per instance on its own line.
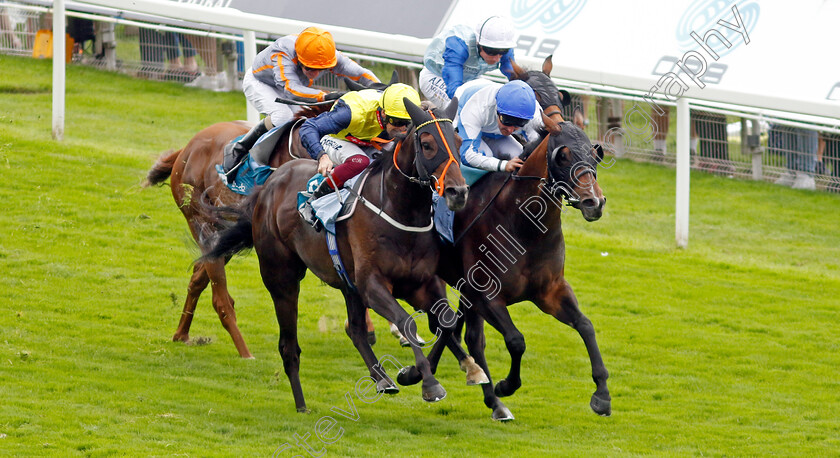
(728, 347)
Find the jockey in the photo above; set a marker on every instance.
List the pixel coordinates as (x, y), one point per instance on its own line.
(343, 135)
(287, 68)
(488, 114)
(461, 54)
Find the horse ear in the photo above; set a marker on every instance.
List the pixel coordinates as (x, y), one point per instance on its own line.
(395, 78)
(388, 148)
(547, 65)
(452, 108)
(599, 152)
(353, 85)
(565, 97)
(519, 73)
(418, 116)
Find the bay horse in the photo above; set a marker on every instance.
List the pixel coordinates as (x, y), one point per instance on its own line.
(388, 247)
(191, 172)
(509, 248)
(548, 96)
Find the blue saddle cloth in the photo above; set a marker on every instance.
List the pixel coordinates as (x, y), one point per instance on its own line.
(327, 207)
(443, 216)
(248, 175)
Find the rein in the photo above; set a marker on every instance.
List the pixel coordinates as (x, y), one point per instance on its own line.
(483, 210)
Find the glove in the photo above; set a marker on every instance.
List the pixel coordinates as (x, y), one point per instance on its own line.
(333, 95)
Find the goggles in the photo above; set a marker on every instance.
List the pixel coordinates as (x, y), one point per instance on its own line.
(397, 122)
(494, 51)
(512, 121)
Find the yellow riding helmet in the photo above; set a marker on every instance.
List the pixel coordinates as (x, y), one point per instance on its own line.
(315, 48)
(392, 100)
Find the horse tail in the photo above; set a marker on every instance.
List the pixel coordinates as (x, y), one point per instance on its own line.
(234, 222)
(162, 168)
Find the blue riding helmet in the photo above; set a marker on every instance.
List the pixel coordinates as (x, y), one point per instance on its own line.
(516, 99)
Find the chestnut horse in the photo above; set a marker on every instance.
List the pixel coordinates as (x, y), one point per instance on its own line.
(509, 248)
(192, 171)
(388, 247)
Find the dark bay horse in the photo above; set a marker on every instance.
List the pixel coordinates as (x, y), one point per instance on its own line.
(549, 98)
(191, 172)
(509, 248)
(388, 248)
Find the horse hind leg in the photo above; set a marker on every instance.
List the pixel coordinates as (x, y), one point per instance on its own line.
(563, 305)
(198, 282)
(224, 305)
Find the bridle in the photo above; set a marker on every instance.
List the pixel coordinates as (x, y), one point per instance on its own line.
(422, 164)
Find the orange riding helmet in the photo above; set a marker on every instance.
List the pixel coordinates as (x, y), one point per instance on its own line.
(315, 48)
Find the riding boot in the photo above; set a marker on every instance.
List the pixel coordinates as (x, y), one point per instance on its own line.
(241, 148)
(307, 212)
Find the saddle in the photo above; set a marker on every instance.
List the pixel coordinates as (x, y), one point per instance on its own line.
(333, 207)
(250, 172)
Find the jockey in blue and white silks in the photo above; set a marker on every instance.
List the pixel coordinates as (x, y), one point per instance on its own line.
(488, 113)
(462, 54)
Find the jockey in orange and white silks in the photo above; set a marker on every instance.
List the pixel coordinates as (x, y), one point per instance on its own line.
(287, 68)
(488, 113)
(462, 54)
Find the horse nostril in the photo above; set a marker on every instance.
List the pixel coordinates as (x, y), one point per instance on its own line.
(590, 203)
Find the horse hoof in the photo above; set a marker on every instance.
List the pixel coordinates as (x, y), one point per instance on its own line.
(502, 414)
(601, 406)
(409, 376)
(303, 410)
(477, 378)
(505, 388)
(371, 338)
(434, 393)
(386, 386)
(181, 338)
(475, 374)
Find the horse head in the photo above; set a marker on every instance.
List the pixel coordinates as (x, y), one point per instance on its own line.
(567, 163)
(436, 157)
(572, 170)
(548, 96)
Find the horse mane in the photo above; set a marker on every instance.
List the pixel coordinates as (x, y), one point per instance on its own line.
(310, 111)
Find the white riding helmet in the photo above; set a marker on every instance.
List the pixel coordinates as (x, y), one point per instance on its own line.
(496, 32)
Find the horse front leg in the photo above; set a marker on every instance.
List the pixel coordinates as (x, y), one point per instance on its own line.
(561, 303)
(474, 338)
(442, 322)
(496, 313)
(357, 319)
(380, 298)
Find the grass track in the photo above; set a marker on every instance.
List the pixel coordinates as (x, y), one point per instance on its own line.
(726, 348)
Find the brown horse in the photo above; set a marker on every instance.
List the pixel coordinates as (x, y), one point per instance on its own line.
(509, 248)
(192, 172)
(388, 248)
(549, 98)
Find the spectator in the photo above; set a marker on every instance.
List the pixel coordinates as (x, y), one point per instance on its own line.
(828, 159)
(799, 147)
(462, 54)
(8, 37)
(287, 68)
